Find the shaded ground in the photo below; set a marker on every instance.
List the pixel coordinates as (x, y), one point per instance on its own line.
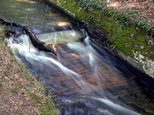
(20, 94)
(142, 10)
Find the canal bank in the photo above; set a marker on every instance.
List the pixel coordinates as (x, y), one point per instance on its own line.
(113, 31)
(83, 80)
(20, 92)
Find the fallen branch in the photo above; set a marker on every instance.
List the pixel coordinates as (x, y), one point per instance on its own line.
(35, 41)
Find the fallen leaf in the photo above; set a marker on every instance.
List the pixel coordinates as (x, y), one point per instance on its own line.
(74, 55)
(34, 78)
(27, 99)
(13, 102)
(32, 91)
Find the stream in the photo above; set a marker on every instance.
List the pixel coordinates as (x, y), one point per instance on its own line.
(85, 79)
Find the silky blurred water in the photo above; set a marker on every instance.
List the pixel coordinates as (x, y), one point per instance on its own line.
(86, 82)
(39, 16)
(84, 79)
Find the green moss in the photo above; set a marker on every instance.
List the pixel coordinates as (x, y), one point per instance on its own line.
(45, 108)
(74, 8)
(15, 89)
(123, 36)
(1, 87)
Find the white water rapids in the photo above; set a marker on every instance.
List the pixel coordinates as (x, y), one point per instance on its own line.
(85, 79)
(91, 94)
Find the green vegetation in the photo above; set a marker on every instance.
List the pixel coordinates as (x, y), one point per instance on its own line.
(20, 92)
(126, 34)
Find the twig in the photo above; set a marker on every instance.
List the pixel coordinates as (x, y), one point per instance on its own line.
(25, 20)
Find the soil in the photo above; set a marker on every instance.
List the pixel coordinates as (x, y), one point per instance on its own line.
(144, 10)
(20, 93)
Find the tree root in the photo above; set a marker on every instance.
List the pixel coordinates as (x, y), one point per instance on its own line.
(35, 41)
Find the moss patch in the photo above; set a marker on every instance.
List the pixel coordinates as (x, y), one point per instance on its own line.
(127, 38)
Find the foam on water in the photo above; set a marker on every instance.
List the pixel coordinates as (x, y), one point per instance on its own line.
(115, 107)
(42, 63)
(83, 81)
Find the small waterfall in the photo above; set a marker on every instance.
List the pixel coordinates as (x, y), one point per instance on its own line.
(79, 74)
(62, 36)
(84, 78)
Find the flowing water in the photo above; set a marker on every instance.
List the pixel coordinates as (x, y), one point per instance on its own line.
(84, 78)
(39, 16)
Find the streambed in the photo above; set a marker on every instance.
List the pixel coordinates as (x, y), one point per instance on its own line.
(84, 78)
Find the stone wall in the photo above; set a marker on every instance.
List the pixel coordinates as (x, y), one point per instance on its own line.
(128, 42)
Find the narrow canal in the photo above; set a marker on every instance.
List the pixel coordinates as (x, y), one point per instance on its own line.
(84, 78)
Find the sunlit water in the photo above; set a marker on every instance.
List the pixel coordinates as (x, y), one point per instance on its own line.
(39, 16)
(84, 81)
(83, 78)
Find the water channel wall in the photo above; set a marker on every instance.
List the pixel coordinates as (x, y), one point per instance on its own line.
(130, 43)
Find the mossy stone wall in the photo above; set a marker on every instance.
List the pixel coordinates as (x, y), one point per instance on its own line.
(133, 42)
